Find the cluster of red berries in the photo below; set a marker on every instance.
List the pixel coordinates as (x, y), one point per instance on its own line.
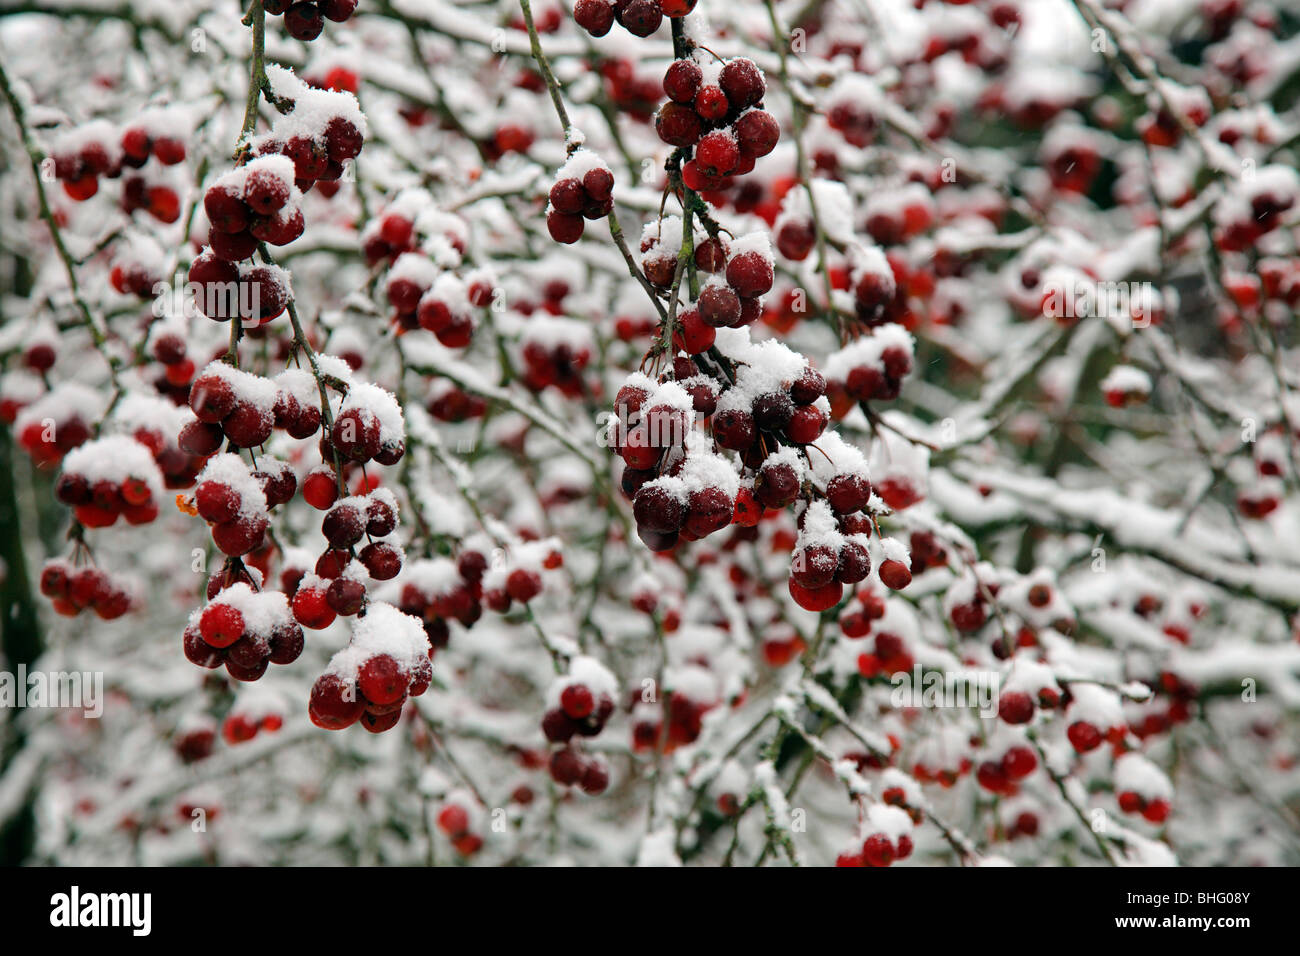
(1142, 788)
(730, 298)
(336, 587)
(72, 590)
(154, 135)
(454, 821)
(448, 402)
(825, 558)
(319, 130)
(891, 654)
(679, 487)
(578, 709)
(243, 724)
(1002, 775)
(244, 629)
(579, 704)
(856, 620)
(519, 578)
(583, 189)
(875, 290)
(368, 427)
(225, 290)
(370, 680)
(243, 408)
(171, 351)
(639, 17)
(391, 233)
(1154, 811)
(232, 405)
(58, 422)
(439, 590)
(872, 368)
(720, 116)
(131, 275)
(570, 766)
(109, 478)
(304, 20)
(256, 202)
(1030, 687)
(178, 467)
(556, 352)
(886, 838)
(233, 502)
(1254, 208)
(685, 722)
(423, 296)
(357, 517)
(83, 155)
(1093, 716)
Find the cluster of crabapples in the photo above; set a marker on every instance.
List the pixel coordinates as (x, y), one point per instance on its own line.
(80, 157)
(110, 478)
(424, 296)
(53, 425)
(305, 19)
(386, 661)
(740, 272)
(456, 821)
(239, 728)
(639, 17)
(257, 202)
(337, 585)
(424, 248)
(260, 200)
(583, 189)
(766, 403)
(247, 630)
(578, 704)
(73, 589)
(716, 110)
(884, 837)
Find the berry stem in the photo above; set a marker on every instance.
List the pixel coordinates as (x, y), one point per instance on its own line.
(552, 84)
(257, 81)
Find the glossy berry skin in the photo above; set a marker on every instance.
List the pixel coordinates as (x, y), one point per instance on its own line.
(895, 575)
(750, 274)
(334, 703)
(682, 81)
(304, 21)
(311, 608)
(717, 154)
(382, 680)
(1016, 707)
(641, 17)
(594, 16)
(1084, 737)
(877, 850)
(221, 625)
(742, 81)
(577, 701)
(338, 10)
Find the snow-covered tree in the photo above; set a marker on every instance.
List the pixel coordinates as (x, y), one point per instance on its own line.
(650, 432)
